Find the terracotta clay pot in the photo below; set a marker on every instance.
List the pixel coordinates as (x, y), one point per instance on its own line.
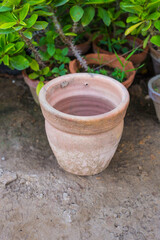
(32, 84)
(84, 116)
(137, 58)
(153, 84)
(108, 60)
(155, 59)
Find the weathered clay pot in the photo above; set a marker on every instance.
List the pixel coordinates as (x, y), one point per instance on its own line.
(32, 84)
(152, 84)
(108, 60)
(84, 116)
(136, 59)
(155, 59)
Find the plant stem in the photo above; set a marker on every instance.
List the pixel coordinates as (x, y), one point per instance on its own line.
(33, 49)
(74, 28)
(68, 42)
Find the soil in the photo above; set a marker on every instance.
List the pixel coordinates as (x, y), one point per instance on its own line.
(40, 201)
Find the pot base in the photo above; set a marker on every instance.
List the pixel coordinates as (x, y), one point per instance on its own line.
(84, 155)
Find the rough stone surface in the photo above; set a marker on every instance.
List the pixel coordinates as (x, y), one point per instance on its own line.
(46, 203)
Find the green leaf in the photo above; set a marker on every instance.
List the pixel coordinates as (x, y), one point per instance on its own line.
(18, 28)
(76, 13)
(6, 60)
(148, 25)
(103, 14)
(31, 21)
(60, 2)
(70, 34)
(39, 25)
(88, 16)
(157, 24)
(98, 1)
(19, 46)
(4, 9)
(7, 20)
(130, 29)
(42, 78)
(67, 27)
(65, 51)
(156, 40)
(43, 13)
(120, 24)
(45, 70)
(61, 67)
(118, 58)
(24, 11)
(19, 62)
(34, 65)
(55, 70)
(154, 3)
(131, 8)
(37, 2)
(8, 47)
(145, 42)
(27, 34)
(154, 16)
(132, 19)
(6, 31)
(7, 25)
(51, 49)
(33, 75)
(39, 86)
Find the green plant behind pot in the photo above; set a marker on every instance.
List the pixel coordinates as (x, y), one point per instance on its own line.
(144, 19)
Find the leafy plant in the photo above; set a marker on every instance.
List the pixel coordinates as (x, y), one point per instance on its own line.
(144, 18)
(119, 74)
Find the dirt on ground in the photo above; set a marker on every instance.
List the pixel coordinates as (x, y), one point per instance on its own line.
(40, 201)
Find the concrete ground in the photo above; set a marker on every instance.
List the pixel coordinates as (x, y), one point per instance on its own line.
(39, 201)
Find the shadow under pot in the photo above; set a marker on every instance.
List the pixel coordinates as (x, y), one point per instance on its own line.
(84, 117)
(154, 93)
(155, 55)
(107, 60)
(136, 58)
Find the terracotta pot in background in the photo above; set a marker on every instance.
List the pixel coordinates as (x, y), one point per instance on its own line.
(137, 58)
(155, 96)
(32, 84)
(155, 55)
(108, 60)
(84, 117)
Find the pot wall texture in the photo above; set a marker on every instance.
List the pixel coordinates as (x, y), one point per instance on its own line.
(83, 145)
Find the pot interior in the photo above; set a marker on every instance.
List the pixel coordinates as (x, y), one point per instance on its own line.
(85, 96)
(82, 105)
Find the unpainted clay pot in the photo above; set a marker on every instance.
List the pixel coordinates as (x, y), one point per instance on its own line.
(84, 117)
(108, 60)
(153, 84)
(136, 58)
(155, 55)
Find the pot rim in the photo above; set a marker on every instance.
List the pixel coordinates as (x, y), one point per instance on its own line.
(150, 85)
(43, 101)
